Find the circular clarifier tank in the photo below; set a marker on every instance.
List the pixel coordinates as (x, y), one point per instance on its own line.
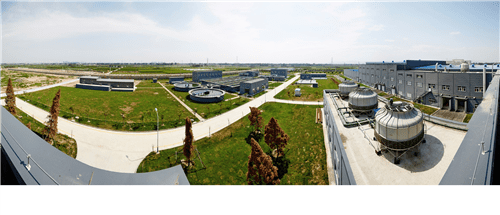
(206, 95)
(185, 86)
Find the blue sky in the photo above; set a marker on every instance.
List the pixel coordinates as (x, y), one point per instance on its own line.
(279, 32)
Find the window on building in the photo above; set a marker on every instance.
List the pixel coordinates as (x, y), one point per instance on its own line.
(419, 76)
(391, 70)
(409, 83)
(408, 75)
(433, 86)
(446, 87)
(400, 81)
(384, 77)
(419, 84)
(400, 74)
(461, 88)
(478, 89)
(392, 78)
(408, 95)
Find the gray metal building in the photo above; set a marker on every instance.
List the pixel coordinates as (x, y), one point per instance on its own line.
(97, 83)
(427, 82)
(250, 73)
(174, 80)
(307, 76)
(254, 86)
(201, 75)
(280, 72)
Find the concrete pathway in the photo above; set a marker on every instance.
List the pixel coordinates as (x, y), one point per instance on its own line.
(121, 151)
(183, 104)
(41, 88)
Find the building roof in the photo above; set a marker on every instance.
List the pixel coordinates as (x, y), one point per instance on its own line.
(90, 77)
(306, 81)
(254, 80)
(116, 80)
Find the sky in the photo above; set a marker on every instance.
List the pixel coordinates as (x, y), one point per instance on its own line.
(248, 32)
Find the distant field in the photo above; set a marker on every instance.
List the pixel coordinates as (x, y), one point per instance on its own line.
(212, 109)
(103, 109)
(167, 69)
(27, 80)
(308, 93)
(225, 154)
(76, 67)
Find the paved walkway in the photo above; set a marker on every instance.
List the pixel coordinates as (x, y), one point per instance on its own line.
(41, 88)
(121, 151)
(183, 104)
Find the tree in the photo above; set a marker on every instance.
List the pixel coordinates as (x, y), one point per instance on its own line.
(51, 124)
(255, 118)
(275, 137)
(10, 100)
(188, 142)
(29, 125)
(260, 167)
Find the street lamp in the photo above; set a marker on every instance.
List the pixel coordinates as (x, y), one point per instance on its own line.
(157, 133)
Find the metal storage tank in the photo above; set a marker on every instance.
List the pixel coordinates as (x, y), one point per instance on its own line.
(399, 126)
(363, 100)
(347, 87)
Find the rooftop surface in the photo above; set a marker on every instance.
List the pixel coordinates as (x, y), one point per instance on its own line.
(255, 80)
(428, 167)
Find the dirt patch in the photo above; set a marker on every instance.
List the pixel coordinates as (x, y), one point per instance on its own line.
(127, 109)
(130, 121)
(156, 93)
(133, 104)
(343, 138)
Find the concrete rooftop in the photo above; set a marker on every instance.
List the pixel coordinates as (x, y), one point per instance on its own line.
(428, 167)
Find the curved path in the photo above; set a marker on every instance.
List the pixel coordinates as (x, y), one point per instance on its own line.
(121, 151)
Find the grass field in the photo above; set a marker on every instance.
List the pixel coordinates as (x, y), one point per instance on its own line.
(104, 109)
(274, 85)
(148, 83)
(62, 142)
(308, 93)
(345, 77)
(468, 117)
(102, 68)
(225, 154)
(25, 80)
(211, 109)
(168, 69)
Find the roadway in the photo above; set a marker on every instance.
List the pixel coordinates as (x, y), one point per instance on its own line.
(121, 151)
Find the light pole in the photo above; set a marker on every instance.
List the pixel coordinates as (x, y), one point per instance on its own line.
(157, 133)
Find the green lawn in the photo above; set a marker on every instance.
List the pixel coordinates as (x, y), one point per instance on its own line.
(211, 109)
(345, 77)
(382, 94)
(169, 69)
(62, 142)
(308, 93)
(92, 105)
(274, 85)
(468, 117)
(225, 154)
(148, 83)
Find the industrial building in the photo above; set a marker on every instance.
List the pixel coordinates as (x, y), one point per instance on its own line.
(280, 72)
(273, 77)
(254, 86)
(311, 82)
(450, 87)
(250, 73)
(206, 95)
(229, 84)
(97, 83)
(173, 80)
(202, 75)
(308, 76)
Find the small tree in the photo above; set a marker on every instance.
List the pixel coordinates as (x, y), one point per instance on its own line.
(255, 118)
(188, 142)
(275, 137)
(10, 100)
(51, 124)
(260, 167)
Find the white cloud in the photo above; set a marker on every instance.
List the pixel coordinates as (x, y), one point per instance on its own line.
(376, 28)
(391, 41)
(455, 32)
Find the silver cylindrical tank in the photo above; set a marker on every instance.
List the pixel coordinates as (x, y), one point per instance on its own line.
(347, 87)
(399, 126)
(363, 99)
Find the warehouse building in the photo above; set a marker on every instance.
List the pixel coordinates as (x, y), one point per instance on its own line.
(308, 76)
(97, 83)
(273, 77)
(254, 86)
(450, 87)
(280, 72)
(228, 84)
(173, 80)
(202, 75)
(250, 73)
